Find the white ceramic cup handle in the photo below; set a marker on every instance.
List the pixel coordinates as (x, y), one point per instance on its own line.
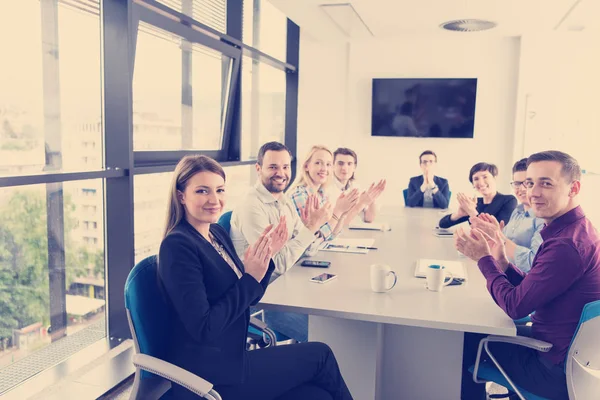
(449, 280)
(395, 279)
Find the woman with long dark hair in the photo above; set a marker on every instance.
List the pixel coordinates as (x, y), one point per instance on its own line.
(210, 291)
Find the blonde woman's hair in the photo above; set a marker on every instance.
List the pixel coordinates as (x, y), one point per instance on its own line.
(187, 167)
(303, 178)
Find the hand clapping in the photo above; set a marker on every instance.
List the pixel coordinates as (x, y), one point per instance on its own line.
(313, 215)
(257, 256)
(468, 206)
(369, 196)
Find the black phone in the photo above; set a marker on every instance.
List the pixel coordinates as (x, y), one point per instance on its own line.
(315, 264)
(456, 281)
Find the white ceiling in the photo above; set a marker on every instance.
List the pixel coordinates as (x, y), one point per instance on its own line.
(390, 18)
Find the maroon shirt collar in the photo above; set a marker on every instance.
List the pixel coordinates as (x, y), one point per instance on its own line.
(552, 229)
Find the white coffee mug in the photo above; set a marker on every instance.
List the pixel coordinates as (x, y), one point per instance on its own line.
(437, 277)
(380, 274)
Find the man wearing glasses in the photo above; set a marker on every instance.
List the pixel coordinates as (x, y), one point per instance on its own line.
(428, 190)
(521, 234)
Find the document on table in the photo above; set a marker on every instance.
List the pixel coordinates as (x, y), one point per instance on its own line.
(370, 226)
(456, 268)
(354, 245)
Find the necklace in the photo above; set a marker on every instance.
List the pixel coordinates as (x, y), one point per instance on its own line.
(224, 255)
(217, 246)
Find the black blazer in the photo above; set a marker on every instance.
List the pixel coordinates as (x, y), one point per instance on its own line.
(210, 305)
(501, 207)
(415, 196)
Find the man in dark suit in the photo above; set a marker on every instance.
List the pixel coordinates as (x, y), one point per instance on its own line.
(428, 190)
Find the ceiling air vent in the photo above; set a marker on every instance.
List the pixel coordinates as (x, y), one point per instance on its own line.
(468, 25)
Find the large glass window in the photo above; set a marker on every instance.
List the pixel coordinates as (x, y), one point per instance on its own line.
(180, 93)
(210, 12)
(265, 28)
(263, 106)
(51, 235)
(50, 102)
(51, 269)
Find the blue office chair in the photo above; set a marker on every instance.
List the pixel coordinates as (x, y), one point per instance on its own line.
(582, 366)
(149, 318)
(225, 221)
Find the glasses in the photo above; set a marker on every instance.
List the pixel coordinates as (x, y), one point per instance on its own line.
(518, 184)
(427, 162)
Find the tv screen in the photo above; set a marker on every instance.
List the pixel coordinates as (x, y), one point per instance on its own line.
(441, 108)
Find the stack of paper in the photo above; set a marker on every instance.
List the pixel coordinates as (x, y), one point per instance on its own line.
(456, 268)
(354, 245)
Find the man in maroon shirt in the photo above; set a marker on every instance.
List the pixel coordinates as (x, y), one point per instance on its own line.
(565, 275)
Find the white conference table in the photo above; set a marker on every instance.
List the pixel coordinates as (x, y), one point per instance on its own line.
(403, 344)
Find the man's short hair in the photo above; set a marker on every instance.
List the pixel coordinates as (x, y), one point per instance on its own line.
(482, 166)
(570, 167)
(428, 152)
(270, 146)
(520, 165)
(345, 152)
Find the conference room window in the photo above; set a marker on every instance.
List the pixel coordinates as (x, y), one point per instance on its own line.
(185, 108)
(265, 28)
(151, 192)
(212, 13)
(263, 106)
(51, 87)
(50, 121)
(37, 309)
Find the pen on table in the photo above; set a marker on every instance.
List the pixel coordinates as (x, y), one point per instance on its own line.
(366, 248)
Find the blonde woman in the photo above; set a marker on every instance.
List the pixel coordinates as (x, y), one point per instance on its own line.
(209, 290)
(315, 176)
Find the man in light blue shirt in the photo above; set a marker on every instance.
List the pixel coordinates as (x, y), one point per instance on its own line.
(522, 233)
(523, 237)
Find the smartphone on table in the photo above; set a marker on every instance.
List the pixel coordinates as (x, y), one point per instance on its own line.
(315, 263)
(323, 278)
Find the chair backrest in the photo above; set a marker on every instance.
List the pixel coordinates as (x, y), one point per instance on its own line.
(225, 221)
(583, 361)
(147, 309)
(405, 194)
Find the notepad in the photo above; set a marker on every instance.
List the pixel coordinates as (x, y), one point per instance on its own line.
(457, 268)
(342, 245)
(369, 226)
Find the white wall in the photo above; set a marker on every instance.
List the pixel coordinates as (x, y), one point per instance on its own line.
(558, 106)
(494, 61)
(321, 93)
(559, 85)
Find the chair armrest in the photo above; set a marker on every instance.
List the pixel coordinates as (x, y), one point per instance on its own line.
(262, 326)
(175, 374)
(524, 341)
(258, 324)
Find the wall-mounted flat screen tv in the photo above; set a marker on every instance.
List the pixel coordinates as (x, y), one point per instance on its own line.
(440, 108)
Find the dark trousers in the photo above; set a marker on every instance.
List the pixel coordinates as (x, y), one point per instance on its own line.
(290, 372)
(525, 367)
